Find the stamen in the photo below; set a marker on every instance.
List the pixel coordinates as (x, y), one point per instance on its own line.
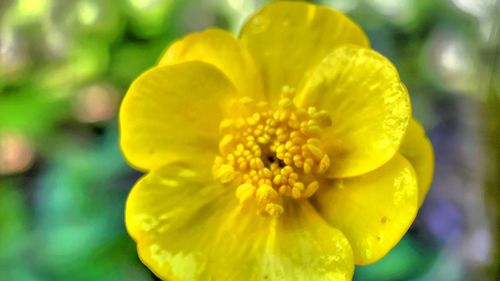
(270, 154)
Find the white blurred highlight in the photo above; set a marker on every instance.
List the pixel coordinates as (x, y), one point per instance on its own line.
(455, 61)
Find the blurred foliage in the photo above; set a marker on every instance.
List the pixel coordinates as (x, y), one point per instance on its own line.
(64, 66)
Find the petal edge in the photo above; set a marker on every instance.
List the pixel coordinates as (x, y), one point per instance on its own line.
(223, 50)
(287, 39)
(188, 228)
(417, 148)
(154, 132)
(374, 210)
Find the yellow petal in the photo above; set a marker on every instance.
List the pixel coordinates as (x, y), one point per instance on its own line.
(286, 39)
(417, 148)
(172, 113)
(190, 229)
(224, 51)
(368, 105)
(375, 210)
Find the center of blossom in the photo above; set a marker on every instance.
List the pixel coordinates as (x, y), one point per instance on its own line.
(272, 154)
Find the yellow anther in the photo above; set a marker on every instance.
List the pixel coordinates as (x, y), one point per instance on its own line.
(286, 103)
(311, 110)
(250, 121)
(324, 164)
(274, 210)
(315, 151)
(307, 168)
(256, 116)
(295, 149)
(287, 91)
(282, 138)
(312, 130)
(323, 118)
(226, 144)
(271, 131)
(280, 149)
(314, 141)
(297, 157)
(299, 186)
(287, 170)
(267, 173)
(225, 173)
(252, 164)
(296, 193)
(262, 105)
(311, 189)
(275, 167)
(262, 140)
(288, 144)
(265, 194)
(218, 161)
(298, 140)
(225, 125)
(277, 180)
(246, 100)
(242, 166)
(284, 189)
(283, 115)
(259, 164)
(280, 131)
(244, 192)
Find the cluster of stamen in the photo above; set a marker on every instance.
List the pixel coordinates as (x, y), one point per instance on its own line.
(271, 154)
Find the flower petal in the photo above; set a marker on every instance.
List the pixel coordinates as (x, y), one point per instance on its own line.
(287, 39)
(417, 148)
(224, 51)
(368, 105)
(190, 229)
(172, 113)
(375, 210)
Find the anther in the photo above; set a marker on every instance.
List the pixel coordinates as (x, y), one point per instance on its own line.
(225, 173)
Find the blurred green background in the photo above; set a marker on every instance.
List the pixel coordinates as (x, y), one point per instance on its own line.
(66, 64)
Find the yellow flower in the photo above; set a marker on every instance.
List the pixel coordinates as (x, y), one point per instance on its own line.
(288, 153)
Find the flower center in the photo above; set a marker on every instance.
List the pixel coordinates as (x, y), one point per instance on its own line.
(272, 154)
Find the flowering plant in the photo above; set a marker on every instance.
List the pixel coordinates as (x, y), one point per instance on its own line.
(288, 153)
